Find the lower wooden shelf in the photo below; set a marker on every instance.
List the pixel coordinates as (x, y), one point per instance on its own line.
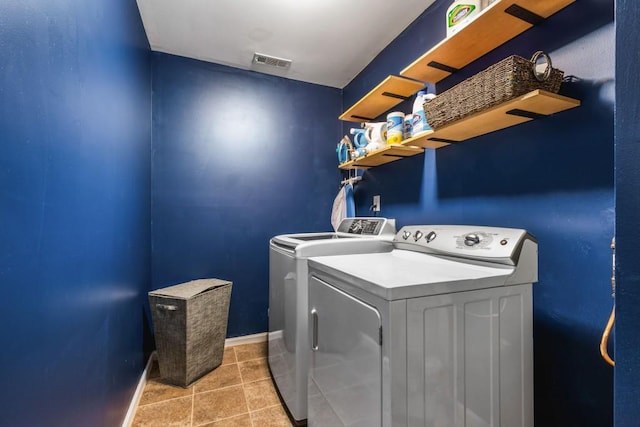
(535, 104)
(389, 153)
(532, 105)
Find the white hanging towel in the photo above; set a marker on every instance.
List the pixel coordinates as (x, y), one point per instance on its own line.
(343, 206)
(339, 211)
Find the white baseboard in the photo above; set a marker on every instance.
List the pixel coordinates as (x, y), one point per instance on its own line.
(246, 339)
(131, 412)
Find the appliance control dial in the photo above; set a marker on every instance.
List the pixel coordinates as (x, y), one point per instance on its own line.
(417, 235)
(406, 234)
(430, 236)
(474, 240)
(471, 239)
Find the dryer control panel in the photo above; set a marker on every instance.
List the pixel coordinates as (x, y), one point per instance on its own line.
(491, 244)
(368, 226)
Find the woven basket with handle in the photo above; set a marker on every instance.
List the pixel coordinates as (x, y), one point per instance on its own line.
(502, 81)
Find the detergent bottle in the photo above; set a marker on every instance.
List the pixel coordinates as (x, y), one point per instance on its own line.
(359, 142)
(420, 122)
(461, 13)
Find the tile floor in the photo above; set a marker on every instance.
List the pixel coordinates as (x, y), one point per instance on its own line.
(239, 393)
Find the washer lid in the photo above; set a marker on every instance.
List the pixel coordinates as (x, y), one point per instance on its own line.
(333, 246)
(401, 274)
(292, 241)
(350, 228)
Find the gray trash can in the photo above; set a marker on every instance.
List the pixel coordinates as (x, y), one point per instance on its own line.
(190, 327)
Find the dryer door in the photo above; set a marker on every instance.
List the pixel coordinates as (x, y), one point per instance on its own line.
(346, 364)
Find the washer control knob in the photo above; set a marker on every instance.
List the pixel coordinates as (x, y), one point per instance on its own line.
(406, 234)
(430, 236)
(471, 239)
(417, 235)
(504, 242)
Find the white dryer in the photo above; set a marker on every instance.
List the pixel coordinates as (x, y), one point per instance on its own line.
(288, 297)
(436, 332)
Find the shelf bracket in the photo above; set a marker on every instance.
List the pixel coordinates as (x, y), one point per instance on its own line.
(361, 165)
(398, 155)
(525, 113)
(395, 95)
(443, 67)
(369, 119)
(524, 14)
(448, 141)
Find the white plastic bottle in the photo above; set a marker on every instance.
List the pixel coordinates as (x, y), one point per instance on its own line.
(420, 124)
(460, 13)
(418, 114)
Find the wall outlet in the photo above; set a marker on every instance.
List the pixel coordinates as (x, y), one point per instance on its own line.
(376, 203)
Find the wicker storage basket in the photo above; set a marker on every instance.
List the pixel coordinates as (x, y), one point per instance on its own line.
(190, 325)
(505, 80)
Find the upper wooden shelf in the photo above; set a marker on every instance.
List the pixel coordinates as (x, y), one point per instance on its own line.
(535, 104)
(392, 91)
(387, 154)
(497, 24)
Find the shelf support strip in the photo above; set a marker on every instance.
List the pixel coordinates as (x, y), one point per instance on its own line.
(362, 165)
(525, 113)
(443, 67)
(524, 14)
(398, 155)
(369, 119)
(448, 141)
(395, 95)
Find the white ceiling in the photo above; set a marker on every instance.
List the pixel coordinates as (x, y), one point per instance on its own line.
(329, 41)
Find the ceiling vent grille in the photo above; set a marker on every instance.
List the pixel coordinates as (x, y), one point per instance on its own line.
(272, 61)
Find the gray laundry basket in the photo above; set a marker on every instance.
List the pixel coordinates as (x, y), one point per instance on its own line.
(190, 326)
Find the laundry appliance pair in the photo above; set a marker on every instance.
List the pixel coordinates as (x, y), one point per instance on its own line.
(431, 328)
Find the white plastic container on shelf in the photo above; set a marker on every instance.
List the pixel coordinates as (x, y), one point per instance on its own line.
(420, 124)
(395, 127)
(460, 13)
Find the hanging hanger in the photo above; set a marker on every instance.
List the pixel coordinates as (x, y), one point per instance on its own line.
(351, 179)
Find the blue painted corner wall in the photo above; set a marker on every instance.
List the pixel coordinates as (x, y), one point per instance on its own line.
(553, 177)
(95, 212)
(75, 108)
(238, 157)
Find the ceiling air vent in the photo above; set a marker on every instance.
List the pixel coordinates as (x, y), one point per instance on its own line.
(272, 61)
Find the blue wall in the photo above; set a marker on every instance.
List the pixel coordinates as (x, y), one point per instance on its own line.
(554, 177)
(238, 157)
(75, 107)
(627, 372)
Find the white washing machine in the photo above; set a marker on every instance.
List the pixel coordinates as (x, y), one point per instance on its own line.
(288, 297)
(436, 332)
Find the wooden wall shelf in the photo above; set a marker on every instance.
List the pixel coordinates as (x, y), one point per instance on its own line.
(392, 91)
(388, 154)
(500, 22)
(535, 104)
(497, 24)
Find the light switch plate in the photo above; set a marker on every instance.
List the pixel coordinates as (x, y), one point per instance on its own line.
(376, 203)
